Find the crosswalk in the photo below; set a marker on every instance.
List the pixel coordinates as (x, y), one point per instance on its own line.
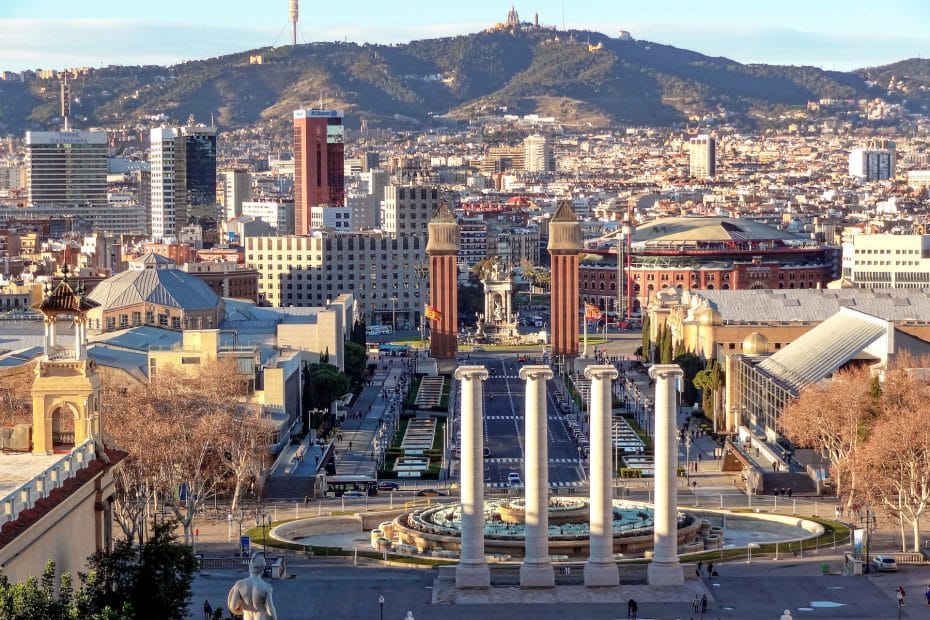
(519, 460)
(552, 485)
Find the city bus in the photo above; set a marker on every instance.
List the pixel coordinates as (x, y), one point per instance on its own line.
(337, 485)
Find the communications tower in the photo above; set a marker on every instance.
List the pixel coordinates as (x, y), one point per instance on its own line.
(293, 14)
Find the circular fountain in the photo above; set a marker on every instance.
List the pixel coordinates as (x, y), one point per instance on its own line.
(437, 529)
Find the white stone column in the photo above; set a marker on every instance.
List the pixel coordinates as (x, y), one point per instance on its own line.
(472, 570)
(665, 570)
(600, 569)
(536, 570)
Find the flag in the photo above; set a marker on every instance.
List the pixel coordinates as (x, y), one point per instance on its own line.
(433, 314)
(591, 312)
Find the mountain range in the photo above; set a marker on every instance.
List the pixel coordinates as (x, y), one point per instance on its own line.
(579, 77)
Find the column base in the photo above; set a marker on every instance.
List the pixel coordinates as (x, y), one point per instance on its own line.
(601, 575)
(537, 576)
(472, 576)
(665, 574)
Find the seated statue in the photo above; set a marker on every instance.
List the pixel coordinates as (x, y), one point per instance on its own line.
(251, 597)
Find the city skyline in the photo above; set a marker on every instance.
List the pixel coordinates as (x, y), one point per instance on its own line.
(833, 34)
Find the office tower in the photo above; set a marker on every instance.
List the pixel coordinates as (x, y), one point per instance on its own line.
(183, 162)
(238, 189)
(369, 160)
(538, 155)
(67, 168)
(319, 160)
(407, 209)
(703, 157)
(872, 164)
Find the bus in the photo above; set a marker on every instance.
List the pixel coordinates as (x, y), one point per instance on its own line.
(337, 485)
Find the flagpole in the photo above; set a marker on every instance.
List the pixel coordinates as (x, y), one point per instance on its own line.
(584, 320)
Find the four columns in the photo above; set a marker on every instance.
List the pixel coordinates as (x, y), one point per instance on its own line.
(472, 570)
(665, 569)
(601, 569)
(536, 570)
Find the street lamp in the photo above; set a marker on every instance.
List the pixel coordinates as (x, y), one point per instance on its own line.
(870, 521)
(381, 605)
(394, 312)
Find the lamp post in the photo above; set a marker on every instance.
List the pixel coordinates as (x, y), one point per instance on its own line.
(394, 312)
(381, 605)
(870, 521)
(688, 457)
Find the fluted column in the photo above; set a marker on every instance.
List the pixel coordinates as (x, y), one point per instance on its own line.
(600, 569)
(536, 570)
(665, 570)
(472, 570)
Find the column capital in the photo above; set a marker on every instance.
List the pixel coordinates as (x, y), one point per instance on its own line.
(536, 372)
(666, 371)
(471, 373)
(601, 371)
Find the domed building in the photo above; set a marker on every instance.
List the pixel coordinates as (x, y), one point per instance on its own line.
(154, 292)
(705, 253)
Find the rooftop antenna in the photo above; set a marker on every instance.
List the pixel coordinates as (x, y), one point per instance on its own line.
(293, 13)
(66, 103)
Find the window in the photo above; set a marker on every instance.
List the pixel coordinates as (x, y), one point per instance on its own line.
(111, 323)
(163, 320)
(175, 322)
(149, 317)
(124, 320)
(137, 318)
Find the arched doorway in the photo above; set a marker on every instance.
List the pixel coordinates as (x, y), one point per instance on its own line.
(63, 427)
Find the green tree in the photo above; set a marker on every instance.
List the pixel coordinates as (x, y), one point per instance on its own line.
(355, 360)
(471, 301)
(647, 340)
(153, 581)
(37, 598)
(358, 331)
(665, 346)
(691, 364)
(709, 381)
(328, 384)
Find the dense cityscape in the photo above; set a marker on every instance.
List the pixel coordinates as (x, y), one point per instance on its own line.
(501, 361)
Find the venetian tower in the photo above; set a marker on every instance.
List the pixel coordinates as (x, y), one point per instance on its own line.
(442, 248)
(66, 391)
(564, 247)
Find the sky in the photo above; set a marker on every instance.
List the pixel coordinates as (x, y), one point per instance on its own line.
(832, 34)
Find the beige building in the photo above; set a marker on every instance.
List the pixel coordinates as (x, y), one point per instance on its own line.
(386, 274)
(407, 209)
(887, 261)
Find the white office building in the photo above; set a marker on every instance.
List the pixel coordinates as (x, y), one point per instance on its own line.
(703, 157)
(183, 177)
(67, 168)
(278, 214)
(324, 217)
(538, 156)
(237, 188)
(872, 164)
(407, 209)
(887, 261)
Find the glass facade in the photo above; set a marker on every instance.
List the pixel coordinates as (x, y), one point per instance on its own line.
(201, 167)
(759, 397)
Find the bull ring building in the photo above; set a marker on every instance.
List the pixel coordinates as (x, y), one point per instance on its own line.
(706, 254)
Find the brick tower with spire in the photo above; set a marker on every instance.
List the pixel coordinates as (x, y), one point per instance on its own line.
(564, 247)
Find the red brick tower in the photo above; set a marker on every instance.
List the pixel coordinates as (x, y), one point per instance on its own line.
(564, 247)
(443, 251)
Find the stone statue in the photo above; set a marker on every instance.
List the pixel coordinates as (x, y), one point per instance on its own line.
(498, 312)
(251, 597)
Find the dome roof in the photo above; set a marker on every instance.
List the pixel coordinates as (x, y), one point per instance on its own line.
(708, 229)
(755, 344)
(172, 288)
(709, 316)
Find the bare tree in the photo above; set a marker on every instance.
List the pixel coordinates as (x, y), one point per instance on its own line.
(833, 417)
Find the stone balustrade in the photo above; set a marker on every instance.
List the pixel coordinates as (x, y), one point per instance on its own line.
(25, 495)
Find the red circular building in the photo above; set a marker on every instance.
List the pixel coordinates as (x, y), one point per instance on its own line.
(703, 253)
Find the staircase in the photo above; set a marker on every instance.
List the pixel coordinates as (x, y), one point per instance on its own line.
(799, 483)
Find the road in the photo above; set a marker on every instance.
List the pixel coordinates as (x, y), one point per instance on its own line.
(504, 429)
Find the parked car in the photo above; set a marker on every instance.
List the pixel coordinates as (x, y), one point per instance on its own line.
(884, 564)
(514, 480)
(430, 493)
(388, 485)
(354, 495)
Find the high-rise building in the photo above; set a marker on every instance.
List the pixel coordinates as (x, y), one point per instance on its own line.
(538, 155)
(407, 209)
(238, 189)
(183, 162)
(703, 157)
(319, 160)
(67, 168)
(872, 164)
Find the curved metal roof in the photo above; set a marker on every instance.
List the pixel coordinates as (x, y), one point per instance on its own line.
(708, 229)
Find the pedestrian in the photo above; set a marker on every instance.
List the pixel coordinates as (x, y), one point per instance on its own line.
(789, 492)
(700, 566)
(703, 604)
(927, 594)
(900, 594)
(207, 610)
(306, 497)
(710, 569)
(787, 615)
(632, 608)
(696, 603)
